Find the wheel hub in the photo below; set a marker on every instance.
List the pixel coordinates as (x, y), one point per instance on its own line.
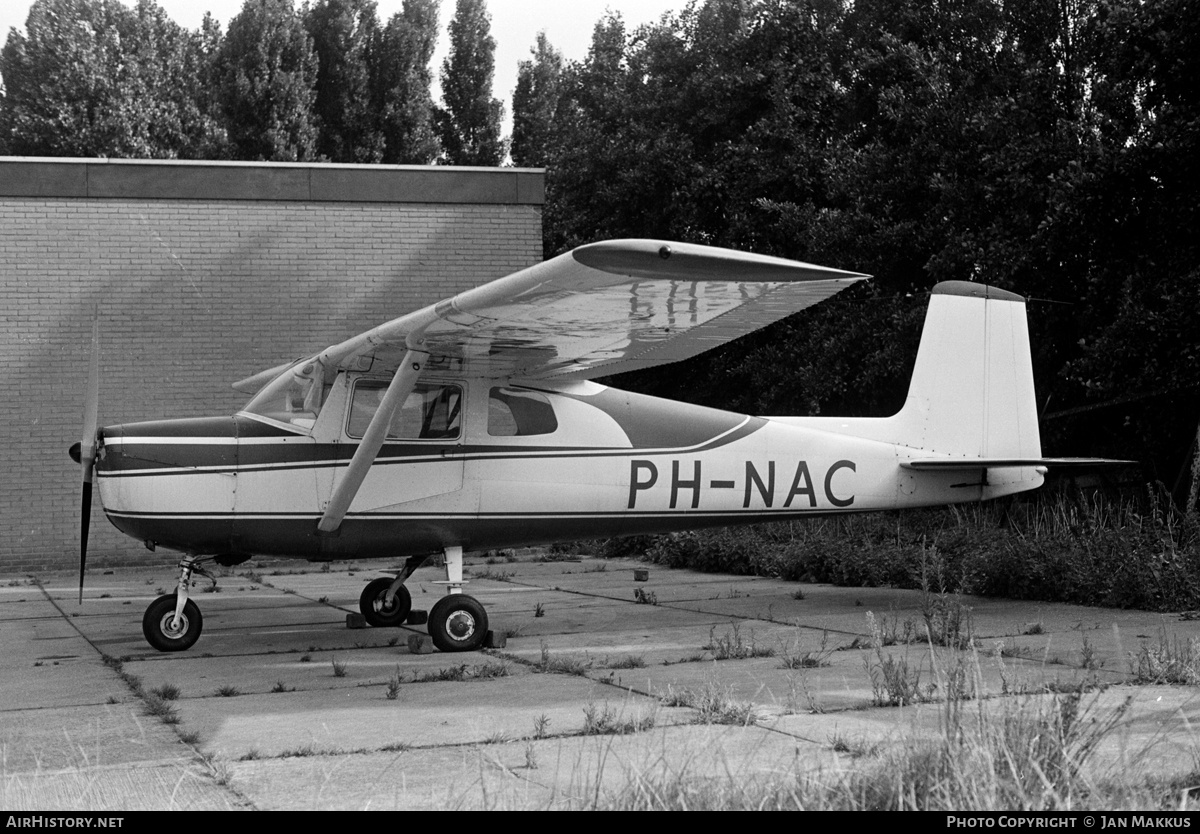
(176, 632)
(460, 625)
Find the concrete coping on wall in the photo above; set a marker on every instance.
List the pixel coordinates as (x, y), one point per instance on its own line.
(155, 179)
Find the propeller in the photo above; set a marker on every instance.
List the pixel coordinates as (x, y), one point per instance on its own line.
(85, 451)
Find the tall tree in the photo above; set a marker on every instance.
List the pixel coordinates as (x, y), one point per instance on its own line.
(535, 103)
(267, 74)
(344, 34)
(401, 84)
(469, 125)
(95, 78)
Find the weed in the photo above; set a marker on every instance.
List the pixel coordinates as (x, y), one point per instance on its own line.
(714, 704)
(606, 721)
(798, 594)
(392, 641)
(795, 658)
(541, 726)
(797, 685)
(1034, 629)
(1088, 658)
(892, 681)
(218, 769)
(393, 687)
(306, 658)
(463, 672)
(539, 610)
(323, 600)
(280, 686)
(498, 737)
(731, 646)
(339, 668)
(568, 666)
(629, 661)
(189, 737)
(496, 575)
(1170, 661)
(645, 597)
(856, 748)
(168, 692)
(160, 709)
(250, 755)
(531, 762)
(229, 692)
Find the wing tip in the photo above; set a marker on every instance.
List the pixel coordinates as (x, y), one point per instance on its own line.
(664, 259)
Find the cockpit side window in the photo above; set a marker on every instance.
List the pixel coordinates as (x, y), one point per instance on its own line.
(516, 413)
(431, 412)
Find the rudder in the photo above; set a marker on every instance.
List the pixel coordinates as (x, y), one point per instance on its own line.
(971, 392)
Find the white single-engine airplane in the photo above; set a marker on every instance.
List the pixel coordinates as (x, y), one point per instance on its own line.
(473, 424)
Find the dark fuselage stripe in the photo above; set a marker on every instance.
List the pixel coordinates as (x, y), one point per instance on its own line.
(299, 456)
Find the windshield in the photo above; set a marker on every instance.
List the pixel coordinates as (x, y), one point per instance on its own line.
(294, 397)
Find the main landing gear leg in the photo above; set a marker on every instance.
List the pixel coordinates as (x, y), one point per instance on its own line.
(457, 622)
(173, 622)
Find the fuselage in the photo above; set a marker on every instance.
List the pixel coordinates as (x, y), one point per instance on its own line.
(510, 466)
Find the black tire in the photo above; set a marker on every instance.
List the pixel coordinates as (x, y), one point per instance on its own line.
(371, 604)
(156, 625)
(458, 623)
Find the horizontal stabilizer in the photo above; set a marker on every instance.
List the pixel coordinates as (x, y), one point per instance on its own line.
(953, 464)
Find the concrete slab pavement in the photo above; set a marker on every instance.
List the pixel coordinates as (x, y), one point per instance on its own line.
(280, 705)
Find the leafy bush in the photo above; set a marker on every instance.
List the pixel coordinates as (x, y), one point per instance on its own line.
(1062, 547)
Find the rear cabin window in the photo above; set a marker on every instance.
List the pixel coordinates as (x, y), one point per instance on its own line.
(514, 413)
(431, 412)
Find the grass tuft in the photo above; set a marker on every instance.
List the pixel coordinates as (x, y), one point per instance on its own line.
(604, 721)
(731, 646)
(714, 704)
(168, 692)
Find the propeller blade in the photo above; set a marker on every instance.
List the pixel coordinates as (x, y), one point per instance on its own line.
(87, 447)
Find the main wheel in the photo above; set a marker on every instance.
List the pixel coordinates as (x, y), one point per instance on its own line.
(373, 606)
(156, 625)
(458, 623)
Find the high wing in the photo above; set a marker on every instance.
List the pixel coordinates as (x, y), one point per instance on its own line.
(598, 310)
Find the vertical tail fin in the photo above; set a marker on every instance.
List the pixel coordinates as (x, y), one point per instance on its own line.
(971, 393)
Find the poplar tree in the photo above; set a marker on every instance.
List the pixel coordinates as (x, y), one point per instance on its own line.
(267, 73)
(344, 34)
(469, 124)
(535, 103)
(401, 78)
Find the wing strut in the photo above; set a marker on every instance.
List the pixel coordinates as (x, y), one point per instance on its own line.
(401, 386)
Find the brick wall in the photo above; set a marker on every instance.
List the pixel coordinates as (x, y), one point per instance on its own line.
(203, 274)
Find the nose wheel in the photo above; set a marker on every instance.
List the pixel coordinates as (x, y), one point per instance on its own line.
(172, 623)
(167, 632)
(458, 623)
